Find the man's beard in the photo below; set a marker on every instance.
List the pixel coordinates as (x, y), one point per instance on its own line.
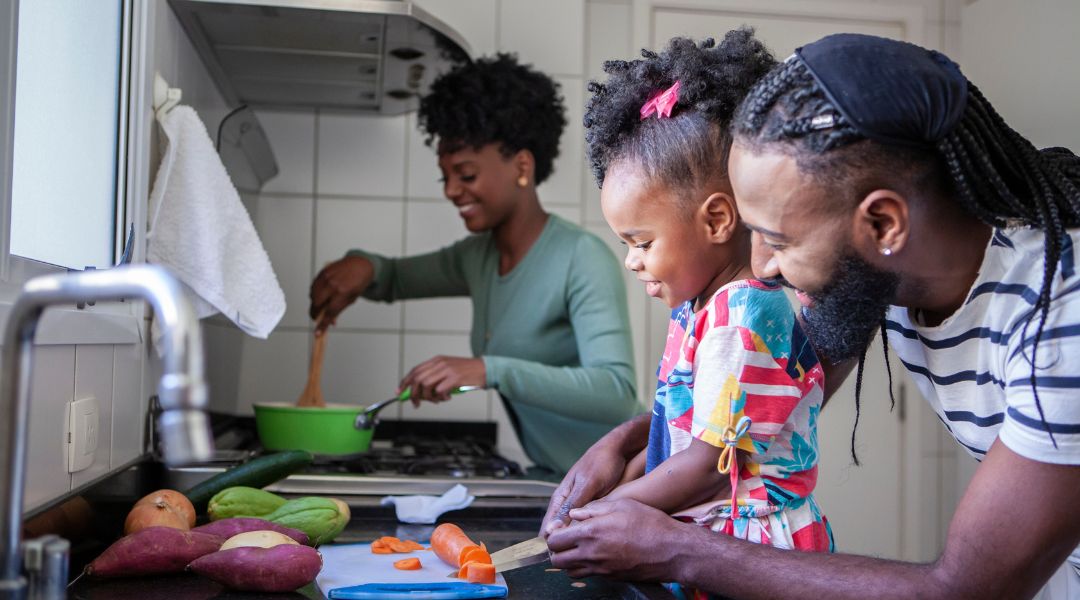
(850, 308)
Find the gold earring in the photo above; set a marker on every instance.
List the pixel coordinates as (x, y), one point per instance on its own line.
(523, 181)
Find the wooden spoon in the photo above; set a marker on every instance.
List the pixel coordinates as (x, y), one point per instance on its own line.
(312, 395)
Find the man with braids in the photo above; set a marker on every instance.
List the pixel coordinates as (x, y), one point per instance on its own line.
(550, 327)
(880, 182)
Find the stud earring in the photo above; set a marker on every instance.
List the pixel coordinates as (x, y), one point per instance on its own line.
(523, 181)
(886, 251)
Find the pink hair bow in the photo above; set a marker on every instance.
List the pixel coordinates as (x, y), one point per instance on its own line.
(661, 104)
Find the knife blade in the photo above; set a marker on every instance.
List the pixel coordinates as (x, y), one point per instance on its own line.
(523, 554)
(529, 552)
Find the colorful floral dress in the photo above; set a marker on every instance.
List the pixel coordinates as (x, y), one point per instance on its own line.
(740, 373)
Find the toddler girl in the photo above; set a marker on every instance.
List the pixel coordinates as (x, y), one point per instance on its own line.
(733, 441)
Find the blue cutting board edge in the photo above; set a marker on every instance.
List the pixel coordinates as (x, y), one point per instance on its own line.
(361, 565)
(428, 591)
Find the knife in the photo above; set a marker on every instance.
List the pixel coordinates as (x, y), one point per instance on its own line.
(529, 552)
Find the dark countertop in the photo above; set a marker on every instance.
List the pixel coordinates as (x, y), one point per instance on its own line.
(498, 522)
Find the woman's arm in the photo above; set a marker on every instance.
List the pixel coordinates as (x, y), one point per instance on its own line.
(435, 274)
(602, 389)
(685, 479)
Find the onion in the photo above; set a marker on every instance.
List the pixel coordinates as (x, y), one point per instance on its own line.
(164, 508)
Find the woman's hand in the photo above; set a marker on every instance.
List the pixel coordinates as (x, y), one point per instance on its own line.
(337, 286)
(434, 379)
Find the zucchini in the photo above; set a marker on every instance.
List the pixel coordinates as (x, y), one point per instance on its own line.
(257, 473)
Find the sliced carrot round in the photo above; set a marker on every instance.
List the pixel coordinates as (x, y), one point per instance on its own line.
(408, 564)
(480, 573)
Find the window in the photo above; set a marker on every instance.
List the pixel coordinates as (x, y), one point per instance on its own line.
(68, 131)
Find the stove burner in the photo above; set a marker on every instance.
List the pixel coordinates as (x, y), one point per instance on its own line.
(413, 455)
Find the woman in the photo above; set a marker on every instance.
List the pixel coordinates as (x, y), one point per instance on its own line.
(550, 325)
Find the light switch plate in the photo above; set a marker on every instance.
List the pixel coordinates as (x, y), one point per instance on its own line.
(82, 433)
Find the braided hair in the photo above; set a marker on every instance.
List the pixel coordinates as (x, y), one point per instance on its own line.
(994, 173)
(496, 100)
(693, 144)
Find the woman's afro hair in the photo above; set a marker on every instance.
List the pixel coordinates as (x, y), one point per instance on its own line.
(496, 100)
(693, 143)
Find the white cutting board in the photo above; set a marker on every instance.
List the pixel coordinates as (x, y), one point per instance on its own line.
(346, 565)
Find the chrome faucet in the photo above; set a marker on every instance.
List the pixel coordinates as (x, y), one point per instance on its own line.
(183, 424)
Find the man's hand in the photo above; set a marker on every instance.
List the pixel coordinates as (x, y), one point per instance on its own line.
(596, 473)
(434, 379)
(337, 286)
(623, 539)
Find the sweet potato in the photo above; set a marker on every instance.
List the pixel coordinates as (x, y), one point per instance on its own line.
(227, 528)
(153, 551)
(279, 569)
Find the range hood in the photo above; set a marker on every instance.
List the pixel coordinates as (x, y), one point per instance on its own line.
(375, 56)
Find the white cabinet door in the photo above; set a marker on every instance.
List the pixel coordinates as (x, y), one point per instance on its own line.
(890, 506)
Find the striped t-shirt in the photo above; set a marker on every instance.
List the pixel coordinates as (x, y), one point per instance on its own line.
(975, 369)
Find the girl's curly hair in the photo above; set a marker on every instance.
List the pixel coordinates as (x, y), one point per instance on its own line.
(693, 144)
(496, 100)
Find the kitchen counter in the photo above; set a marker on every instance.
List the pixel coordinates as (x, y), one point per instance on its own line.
(498, 521)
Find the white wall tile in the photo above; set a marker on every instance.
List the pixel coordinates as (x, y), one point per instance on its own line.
(471, 406)
(423, 166)
(609, 31)
(549, 34)
(431, 225)
(199, 90)
(637, 305)
(129, 404)
(361, 155)
(273, 370)
(94, 379)
(373, 225)
(167, 33)
(292, 138)
(564, 185)
(52, 389)
(224, 344)
(570, 213)
(590, 200)
(473, 19)
(361, 368)
(284, 224)
(507, 442)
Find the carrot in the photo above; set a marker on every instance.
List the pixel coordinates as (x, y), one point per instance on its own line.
(478, 572)
(476, 554)
(409, 564)
(404, 546)
(450, 544)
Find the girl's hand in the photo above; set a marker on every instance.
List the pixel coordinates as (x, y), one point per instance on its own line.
(433, 379)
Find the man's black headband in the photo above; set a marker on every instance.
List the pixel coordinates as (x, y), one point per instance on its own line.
(890, 91)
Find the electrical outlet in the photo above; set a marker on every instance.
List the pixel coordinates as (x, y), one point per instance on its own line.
(82, 433)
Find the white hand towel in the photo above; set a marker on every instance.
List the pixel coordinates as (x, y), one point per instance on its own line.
(201, 231)
(425, 509)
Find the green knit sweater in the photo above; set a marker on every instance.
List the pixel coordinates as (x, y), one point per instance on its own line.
(554, 332)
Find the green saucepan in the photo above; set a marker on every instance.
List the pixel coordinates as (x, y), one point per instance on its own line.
(330, 430)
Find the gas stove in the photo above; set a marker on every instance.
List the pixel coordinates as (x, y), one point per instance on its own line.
(415, 455)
